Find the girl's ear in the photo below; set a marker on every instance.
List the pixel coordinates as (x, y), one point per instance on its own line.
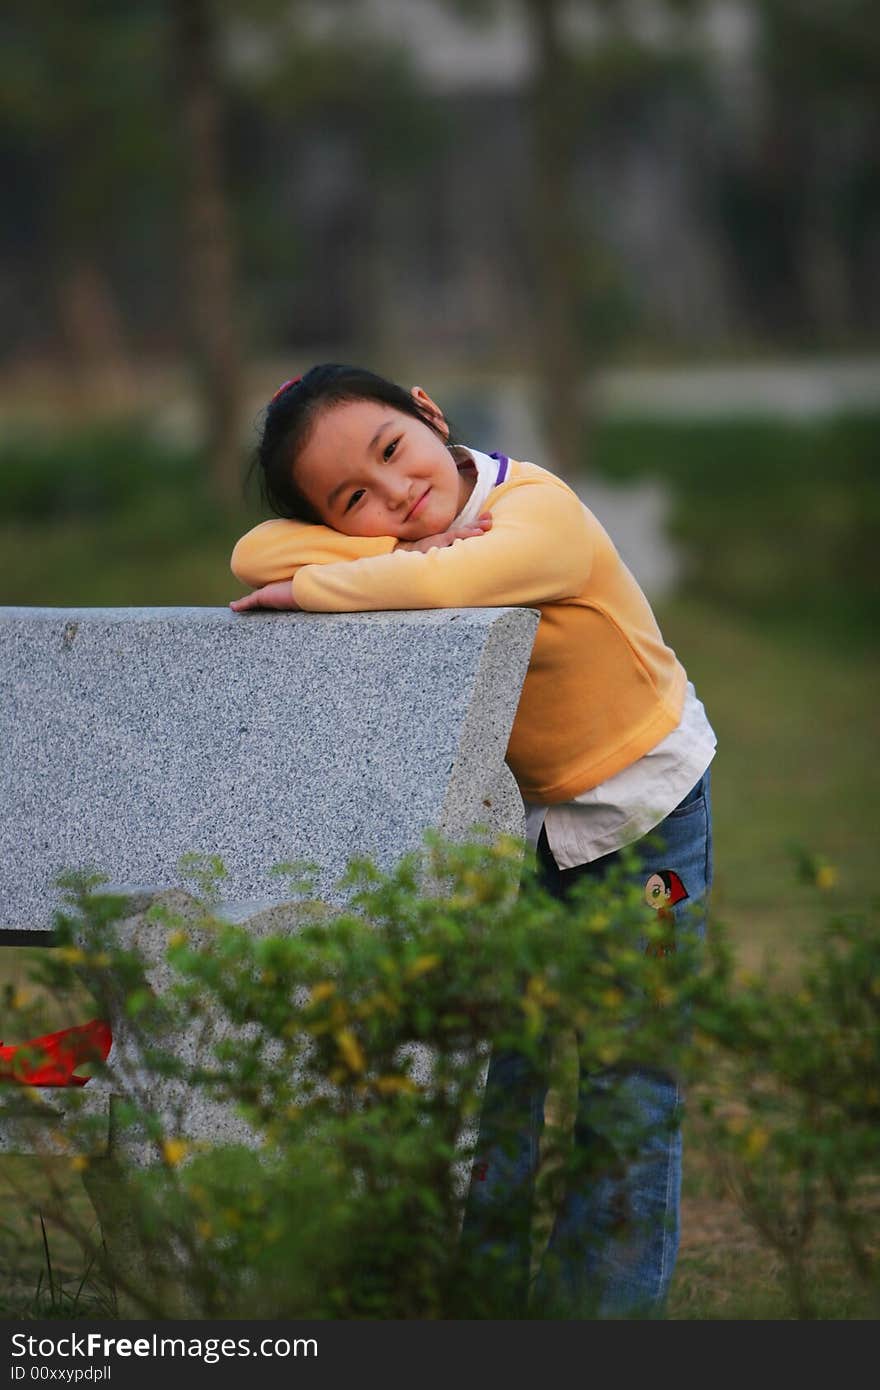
(431, 408)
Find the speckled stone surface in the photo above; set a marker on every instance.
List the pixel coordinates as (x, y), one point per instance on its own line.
(41, 1120)
(133, 736)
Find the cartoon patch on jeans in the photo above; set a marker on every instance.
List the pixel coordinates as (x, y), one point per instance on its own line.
(663, 890)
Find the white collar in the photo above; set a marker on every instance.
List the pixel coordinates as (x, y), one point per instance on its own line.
(487, 478)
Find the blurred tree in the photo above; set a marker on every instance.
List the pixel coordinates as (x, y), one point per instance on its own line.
(79, 98)
(195, 31)
(291, 87)
(85, 94)
(567, 73)
(555, 233)
(799, 189)
(820, 60)
(347, 135)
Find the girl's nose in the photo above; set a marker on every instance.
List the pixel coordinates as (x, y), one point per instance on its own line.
(397, 493)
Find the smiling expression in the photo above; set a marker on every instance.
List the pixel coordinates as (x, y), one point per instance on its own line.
(371, 470)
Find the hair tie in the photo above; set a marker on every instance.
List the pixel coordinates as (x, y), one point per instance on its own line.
(284, 385)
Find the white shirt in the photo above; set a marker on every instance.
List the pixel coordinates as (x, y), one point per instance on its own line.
(629, 804)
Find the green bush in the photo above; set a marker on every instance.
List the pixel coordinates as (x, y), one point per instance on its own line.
(92, 472)
(353, 1048)
(789, 1101)
(778, 520)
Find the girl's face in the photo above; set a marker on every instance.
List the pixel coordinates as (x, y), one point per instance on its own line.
(371, 470)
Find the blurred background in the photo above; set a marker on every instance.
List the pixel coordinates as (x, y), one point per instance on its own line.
(637, 241)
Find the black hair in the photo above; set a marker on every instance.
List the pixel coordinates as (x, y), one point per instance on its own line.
(290, 417)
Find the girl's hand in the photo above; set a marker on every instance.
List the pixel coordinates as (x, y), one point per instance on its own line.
(455, 533)
(278, 595)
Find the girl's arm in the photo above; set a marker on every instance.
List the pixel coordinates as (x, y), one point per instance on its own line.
(539, 550)
(271, 554)
(277, 549)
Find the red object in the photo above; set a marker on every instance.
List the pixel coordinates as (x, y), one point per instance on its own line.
(677, 890)
(291, 381)
(53, 1059)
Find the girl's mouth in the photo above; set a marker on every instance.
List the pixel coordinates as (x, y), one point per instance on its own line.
(417, 507)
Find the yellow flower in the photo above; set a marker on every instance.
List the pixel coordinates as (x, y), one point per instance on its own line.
(612, 998)
(79, 1163)
(461, 901)
(174, 1151)
(539, 991)
(351, 1049)
(421, 966)
(380, 1000)
(506, 847)
(71, 955)
(392, 1085)
(826, 876)
(663, 996)
(205, 1229)
(323, 990)
(178, 938)
(756, 1142)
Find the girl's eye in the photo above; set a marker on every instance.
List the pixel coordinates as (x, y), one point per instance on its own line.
(389, 449)
(355, 497)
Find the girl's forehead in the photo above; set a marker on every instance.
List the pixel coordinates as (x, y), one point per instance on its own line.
(343, 434)
(352, 424)
(352, 416)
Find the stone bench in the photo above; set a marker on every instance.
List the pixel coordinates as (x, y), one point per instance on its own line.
(134, 736)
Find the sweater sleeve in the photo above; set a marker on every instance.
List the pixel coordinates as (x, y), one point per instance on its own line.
(277, 549)
(538, 551)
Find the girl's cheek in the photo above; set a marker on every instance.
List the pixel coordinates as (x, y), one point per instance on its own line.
(372, 521)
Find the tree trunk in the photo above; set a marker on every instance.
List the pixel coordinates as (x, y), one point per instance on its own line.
(555, 239)
(97, 366)
(97, 362)
(209, 250)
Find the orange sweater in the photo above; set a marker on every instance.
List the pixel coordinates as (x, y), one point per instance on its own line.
(602, 688)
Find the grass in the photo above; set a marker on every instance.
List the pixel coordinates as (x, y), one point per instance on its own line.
(794, 768)
(726, 1271)
(775, 625)
(45, 1272)
(778, 521)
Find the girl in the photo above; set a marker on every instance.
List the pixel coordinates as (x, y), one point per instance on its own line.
(380, 509)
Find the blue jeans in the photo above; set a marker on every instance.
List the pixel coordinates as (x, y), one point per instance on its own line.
(613, 1246)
